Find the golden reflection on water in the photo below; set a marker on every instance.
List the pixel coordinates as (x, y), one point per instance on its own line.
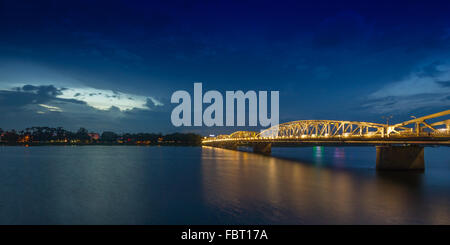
(271, 190)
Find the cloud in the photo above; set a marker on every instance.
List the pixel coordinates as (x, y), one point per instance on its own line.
(404, 104)
(102, 99)
(99, 99)
(429, 87)
(29, 94)
(444, 83)
(47, 105)
(49, 90)
(51, 108)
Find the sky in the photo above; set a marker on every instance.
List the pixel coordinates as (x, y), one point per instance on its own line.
(113, 65)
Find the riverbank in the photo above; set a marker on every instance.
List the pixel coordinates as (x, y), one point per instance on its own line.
(29, 144)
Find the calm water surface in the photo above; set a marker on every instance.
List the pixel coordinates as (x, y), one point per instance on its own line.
(195, 185)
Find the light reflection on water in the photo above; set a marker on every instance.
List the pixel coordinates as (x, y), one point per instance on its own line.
(318, 154)
(204, 185)
(264, 189)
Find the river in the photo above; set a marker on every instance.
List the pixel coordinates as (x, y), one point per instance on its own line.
(205, 185)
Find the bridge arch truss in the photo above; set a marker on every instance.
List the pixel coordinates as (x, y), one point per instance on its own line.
(335, 129)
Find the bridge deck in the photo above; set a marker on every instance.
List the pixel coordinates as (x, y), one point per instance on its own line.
(322, 132)
(426, 141)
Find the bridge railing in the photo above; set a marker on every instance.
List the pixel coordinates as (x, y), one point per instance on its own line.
(420, 126)
(333, 129)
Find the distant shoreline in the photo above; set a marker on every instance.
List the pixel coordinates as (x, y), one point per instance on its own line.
(39, 136)
(95, 144)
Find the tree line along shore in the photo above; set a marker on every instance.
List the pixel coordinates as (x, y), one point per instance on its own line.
(60, 136)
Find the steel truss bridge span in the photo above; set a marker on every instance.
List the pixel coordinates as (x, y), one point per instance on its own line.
(416, 131)
(399, 146)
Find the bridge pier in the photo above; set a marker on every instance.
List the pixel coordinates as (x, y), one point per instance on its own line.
(262, 148)
(400, 158)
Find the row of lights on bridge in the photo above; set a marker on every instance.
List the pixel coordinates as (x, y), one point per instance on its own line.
(370, 134)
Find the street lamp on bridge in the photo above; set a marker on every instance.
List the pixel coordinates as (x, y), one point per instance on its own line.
(387, 119)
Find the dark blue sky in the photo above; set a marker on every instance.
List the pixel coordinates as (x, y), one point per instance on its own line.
(114, 65)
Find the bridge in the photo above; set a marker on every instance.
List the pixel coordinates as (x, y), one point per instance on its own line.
(399, 146)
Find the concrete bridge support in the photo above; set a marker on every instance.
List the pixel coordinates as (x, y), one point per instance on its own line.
(262, 148)
(400, 158)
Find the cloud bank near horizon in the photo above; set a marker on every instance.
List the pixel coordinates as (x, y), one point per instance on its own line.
(428, 87)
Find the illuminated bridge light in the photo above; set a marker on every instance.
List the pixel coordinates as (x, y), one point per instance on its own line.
(366, 131)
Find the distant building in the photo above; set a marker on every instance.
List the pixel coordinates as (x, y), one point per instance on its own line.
(94, 136)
